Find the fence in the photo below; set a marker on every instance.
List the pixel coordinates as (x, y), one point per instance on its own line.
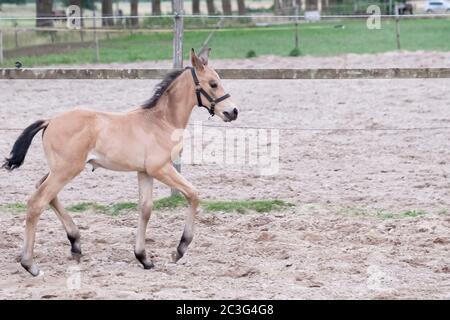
(341, 33)
(283, 74)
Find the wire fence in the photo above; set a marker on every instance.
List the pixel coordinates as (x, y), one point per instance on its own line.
(299, 129)
(346, 33)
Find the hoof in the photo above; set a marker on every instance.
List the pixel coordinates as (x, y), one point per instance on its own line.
(32, 269)
(176, 256)
(147, 264)
(76, 256)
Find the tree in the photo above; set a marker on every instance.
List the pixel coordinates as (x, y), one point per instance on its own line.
(44, 8)
(195, 6)
(211, 7)
(241, 7)
(134, 12)
(156, 7)
(107, 11)
(226, 7)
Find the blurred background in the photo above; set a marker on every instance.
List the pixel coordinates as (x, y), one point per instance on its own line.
(142, 30)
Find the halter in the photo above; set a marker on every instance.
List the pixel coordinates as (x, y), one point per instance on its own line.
(199, 91)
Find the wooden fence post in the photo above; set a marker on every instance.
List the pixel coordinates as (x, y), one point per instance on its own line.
(97, 51)
(397, 26)
(16, 34)
(296, 12)
(177, 58)
(1, 47)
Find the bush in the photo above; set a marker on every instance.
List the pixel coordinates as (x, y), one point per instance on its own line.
(251, 54)
(295, 52)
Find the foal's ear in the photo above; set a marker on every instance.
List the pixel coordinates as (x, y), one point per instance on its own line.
(195, 61)
(204, 55)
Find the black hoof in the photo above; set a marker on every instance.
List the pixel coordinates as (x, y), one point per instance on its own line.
(148, 265)
(76, 256)
(143, 260)
(76, 246)
(176, 255)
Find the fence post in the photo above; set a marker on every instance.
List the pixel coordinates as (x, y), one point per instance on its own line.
(177, 58)
(178, 34)
(16, 34)
(1, 47)
(296, 26)
(97, 53)
(397, 26)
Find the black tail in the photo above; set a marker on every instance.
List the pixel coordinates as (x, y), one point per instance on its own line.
(20, 148)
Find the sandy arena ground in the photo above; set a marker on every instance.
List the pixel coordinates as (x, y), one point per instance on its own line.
(330, 245)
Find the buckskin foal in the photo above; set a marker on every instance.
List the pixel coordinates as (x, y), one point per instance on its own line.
(140, 140)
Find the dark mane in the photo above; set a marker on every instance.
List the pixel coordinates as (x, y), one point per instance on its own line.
(161, 88)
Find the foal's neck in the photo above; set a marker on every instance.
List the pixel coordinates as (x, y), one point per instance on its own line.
(180, 101)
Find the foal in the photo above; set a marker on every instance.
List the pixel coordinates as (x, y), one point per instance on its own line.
(140, 140)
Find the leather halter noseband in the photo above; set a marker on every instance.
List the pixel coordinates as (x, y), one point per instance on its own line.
(199, 91)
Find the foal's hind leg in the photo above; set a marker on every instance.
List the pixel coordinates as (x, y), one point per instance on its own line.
(73, 234)
(172, 178)
(46, 192)
(145, 207)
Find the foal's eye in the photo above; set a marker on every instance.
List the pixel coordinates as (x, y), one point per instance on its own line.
(213, 85)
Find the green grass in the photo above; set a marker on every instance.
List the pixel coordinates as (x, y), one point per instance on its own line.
(172, 202)
(14, 207)
(320, 39)
(384, 214)
(245, 205)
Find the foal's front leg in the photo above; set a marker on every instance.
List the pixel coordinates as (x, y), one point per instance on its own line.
(169, 176)
(145, 207)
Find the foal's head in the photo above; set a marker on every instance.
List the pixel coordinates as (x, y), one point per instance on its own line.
(212, 84)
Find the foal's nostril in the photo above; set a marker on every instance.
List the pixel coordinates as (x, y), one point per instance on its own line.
(235, 111)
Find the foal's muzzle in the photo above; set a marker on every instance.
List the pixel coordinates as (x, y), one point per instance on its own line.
(231, 115)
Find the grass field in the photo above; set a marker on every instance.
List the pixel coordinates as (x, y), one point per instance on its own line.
(324, 38)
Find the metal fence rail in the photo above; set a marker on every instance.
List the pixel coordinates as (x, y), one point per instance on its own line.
(115, 74)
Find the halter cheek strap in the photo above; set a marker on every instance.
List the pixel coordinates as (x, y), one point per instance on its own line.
(199, 91)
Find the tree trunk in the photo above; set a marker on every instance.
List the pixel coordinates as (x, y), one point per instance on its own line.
(211, 7)
(195, 6)
(156, 7)
(134, 12)
(44, 8)
(107, 11)
(276, 6)
(241, 7)
(226, 7)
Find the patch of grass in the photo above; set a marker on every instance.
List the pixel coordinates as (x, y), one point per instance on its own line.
(113, 209)
(413, 213)
(84, 206)
(404, 214)
(171, 202)
(117, 208)
(14, 207)
(243, 206)
(443, 212)
(295, 52)
(382, 214)
(317, 39)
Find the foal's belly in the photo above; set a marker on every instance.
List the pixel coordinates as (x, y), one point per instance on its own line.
(122, 163)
